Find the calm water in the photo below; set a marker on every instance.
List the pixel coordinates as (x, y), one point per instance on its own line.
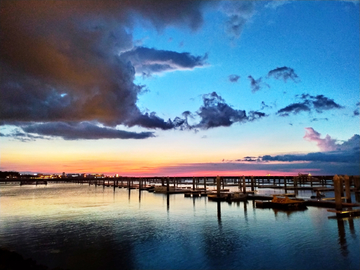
(86, 227)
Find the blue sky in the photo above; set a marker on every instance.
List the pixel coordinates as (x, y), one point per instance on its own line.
(250, 87)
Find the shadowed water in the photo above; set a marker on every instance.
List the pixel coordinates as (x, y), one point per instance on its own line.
(86, 227)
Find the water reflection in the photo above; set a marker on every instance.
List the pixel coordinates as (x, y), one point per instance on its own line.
(342, 237)
(287, 212)
(219, 213)
(167, 202)
(145, 234)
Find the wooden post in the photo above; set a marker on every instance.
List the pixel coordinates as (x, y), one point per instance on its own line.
(244, 184)
(337, 191)
(218, 185)
(252, 183)
(223, 182)
(167, 185)
(193, 183)
(205, 184)
(285, 184)
(347, 188)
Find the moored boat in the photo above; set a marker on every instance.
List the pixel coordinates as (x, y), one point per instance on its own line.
(287, 203)
(227, 196)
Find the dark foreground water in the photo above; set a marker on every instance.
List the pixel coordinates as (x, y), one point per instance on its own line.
(86, 227)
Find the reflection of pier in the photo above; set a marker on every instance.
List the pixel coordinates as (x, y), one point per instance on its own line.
(33, 182)
(220, 185)
(301, 182)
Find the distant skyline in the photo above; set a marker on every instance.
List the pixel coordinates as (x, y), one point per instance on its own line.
(142, 88)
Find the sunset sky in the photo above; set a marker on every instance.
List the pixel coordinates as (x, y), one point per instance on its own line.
(180, 87)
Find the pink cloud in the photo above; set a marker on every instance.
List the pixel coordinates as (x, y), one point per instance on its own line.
(326, 144)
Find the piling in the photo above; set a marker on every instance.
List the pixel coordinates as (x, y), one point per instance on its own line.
(252, 183)
(193, 183)
(205, 184)
(167, 185)
(244, 185)
(347, 188)
(337, 191)
(218, 185)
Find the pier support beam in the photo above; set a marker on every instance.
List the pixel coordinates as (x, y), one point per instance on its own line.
(347, 188)
(218, 185)
(337, 191)
(244, 184)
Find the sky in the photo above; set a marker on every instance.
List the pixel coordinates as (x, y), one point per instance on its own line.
(172, 88)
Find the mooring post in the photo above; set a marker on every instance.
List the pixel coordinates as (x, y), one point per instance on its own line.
(252, 183)
(218, 185)
(337, 190)
(193, 183)
(244, 184)
(167, 185)
(347, 188)
(205, 184)
(285, 184)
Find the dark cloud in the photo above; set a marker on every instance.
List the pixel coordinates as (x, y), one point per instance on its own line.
(294, 108)
(59, 60)
(343, 157)
(238, 12)
(309, 103)
(254, 115)
(264, 106)
(256, 85)
(356, 111)
(321, 103)
(151, 121)
(250, 159)
(148, 61)
(283, 73)
(234, 78)
(215, 112)
(83, 131)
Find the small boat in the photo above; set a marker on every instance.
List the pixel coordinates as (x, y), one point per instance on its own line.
(236, 197)
(227, 196)
(217, 197)
(286, 203)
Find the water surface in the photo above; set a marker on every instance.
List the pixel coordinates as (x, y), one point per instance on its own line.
(86, 227)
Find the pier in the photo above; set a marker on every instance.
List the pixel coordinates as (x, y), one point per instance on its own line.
(217, 187)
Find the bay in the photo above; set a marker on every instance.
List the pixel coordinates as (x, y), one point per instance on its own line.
(76, 226)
